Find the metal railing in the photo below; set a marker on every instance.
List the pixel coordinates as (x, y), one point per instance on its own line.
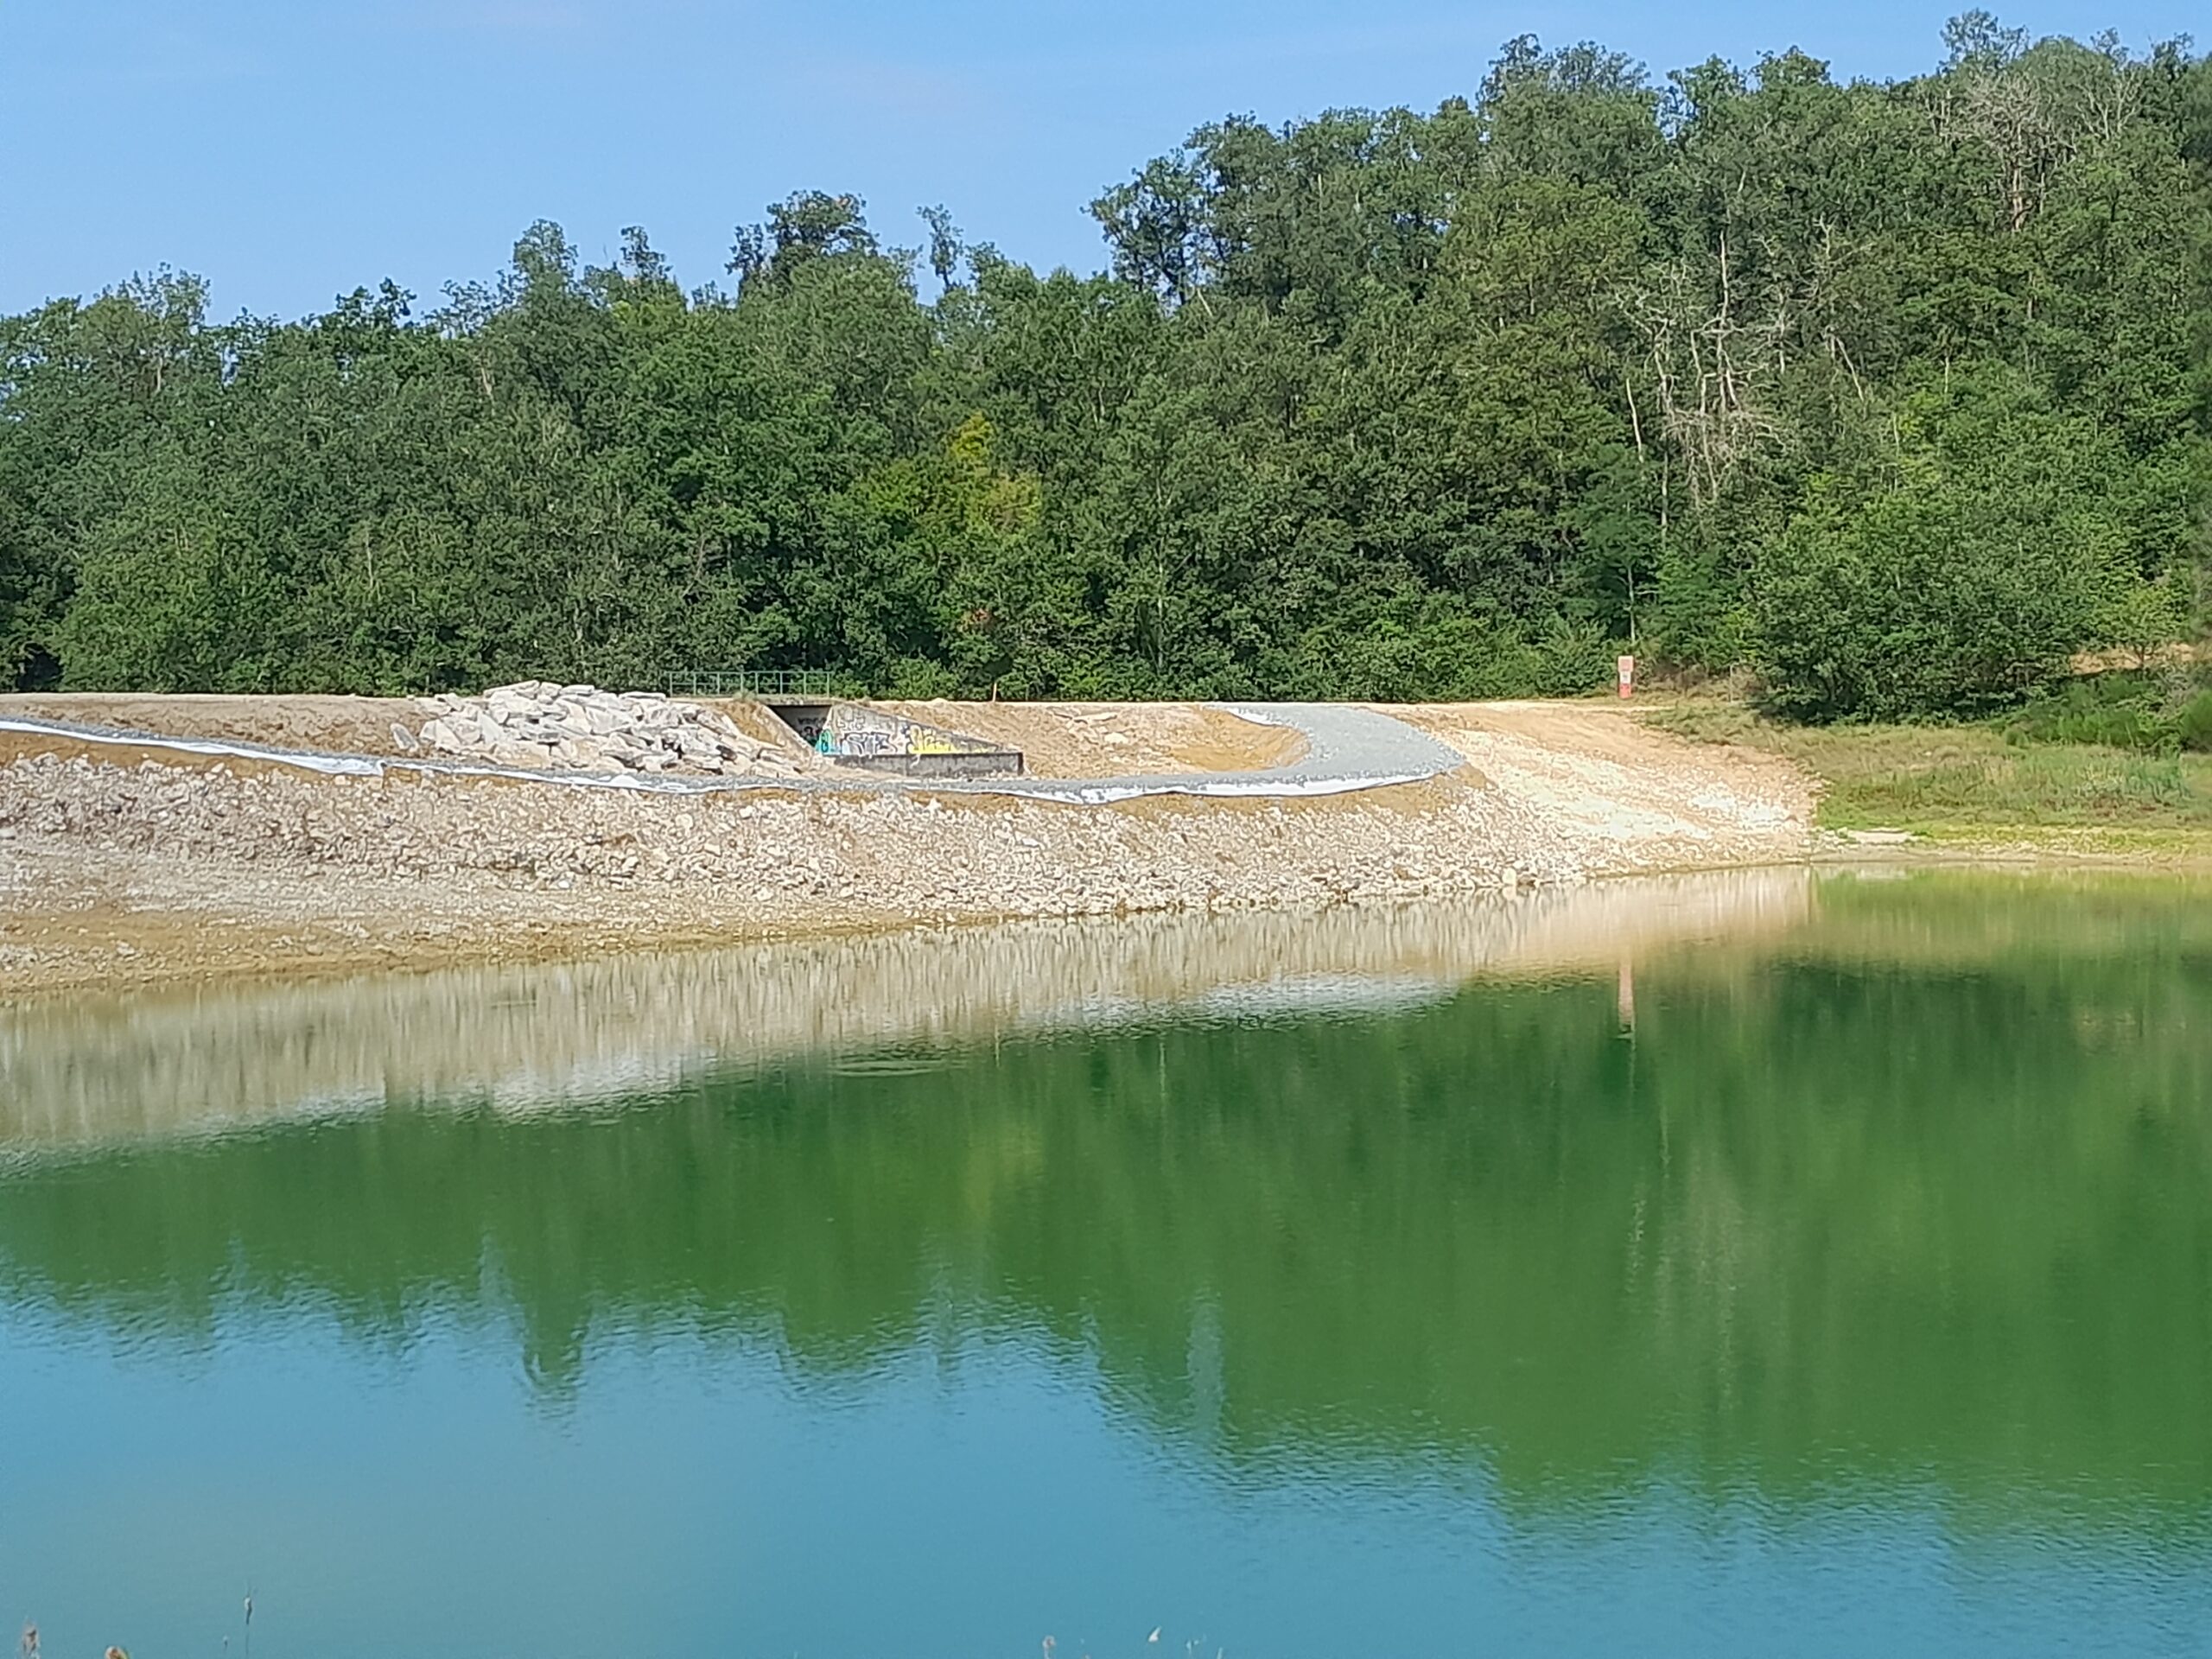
(810, 683)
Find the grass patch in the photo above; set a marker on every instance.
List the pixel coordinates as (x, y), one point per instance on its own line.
(1969, 783)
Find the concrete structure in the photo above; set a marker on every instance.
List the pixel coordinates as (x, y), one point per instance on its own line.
(848, 735)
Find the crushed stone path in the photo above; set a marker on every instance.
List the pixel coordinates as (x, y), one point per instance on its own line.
(1348, 747)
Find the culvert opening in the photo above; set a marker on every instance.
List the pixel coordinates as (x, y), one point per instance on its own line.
(848, 735)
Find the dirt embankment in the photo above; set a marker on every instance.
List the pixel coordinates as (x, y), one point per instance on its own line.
(1596, 770)
(120, 865)
(1113, 740)
(335, 725)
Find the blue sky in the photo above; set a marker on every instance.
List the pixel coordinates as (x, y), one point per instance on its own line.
(290, 150)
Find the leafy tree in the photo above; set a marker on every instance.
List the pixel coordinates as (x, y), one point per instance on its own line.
(1896, 393)
(946, 250)
(1961, 583)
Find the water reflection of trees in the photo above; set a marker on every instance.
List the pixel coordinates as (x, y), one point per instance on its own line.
(98, 1071)
(1828, 1218)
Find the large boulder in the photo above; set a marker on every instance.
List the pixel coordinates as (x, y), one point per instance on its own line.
(539, 726)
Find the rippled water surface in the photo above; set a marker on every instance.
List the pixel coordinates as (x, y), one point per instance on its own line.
(1762, 1264)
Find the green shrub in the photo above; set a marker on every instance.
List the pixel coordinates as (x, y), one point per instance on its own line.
(2118, 710)
(1959, 577)
(1914, 604)
(1438, 652)
(1570, 659)
(2194, 724)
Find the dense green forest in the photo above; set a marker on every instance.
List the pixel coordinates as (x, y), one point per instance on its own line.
(1896, 394)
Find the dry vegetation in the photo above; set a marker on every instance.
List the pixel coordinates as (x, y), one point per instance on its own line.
(1966, 785)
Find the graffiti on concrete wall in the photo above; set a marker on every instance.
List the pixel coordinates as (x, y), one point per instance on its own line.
(849, 732)
(871, 734)
(864, 732)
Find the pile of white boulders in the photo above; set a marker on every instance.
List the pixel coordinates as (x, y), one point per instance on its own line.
(548, 727)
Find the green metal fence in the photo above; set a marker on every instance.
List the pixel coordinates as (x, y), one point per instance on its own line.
(796, 683)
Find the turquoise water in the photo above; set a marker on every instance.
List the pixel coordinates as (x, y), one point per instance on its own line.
(1787, 1267)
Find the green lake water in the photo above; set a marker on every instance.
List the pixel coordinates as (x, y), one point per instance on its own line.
(1770, 1264)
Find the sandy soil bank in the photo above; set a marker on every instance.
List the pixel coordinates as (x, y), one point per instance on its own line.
(120, 867)
(341, 725)
(1107, 739)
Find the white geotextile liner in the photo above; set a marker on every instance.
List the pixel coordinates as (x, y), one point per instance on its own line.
(1244, 788)
(345, 766)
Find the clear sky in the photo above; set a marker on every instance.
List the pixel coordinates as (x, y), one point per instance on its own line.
(290, 149)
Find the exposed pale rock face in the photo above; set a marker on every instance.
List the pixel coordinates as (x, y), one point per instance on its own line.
(545, 728)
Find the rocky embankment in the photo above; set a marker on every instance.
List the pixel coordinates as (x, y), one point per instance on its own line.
(544, 727)
(120, 865)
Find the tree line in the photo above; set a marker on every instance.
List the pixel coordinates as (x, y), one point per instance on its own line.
(1894, 394)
